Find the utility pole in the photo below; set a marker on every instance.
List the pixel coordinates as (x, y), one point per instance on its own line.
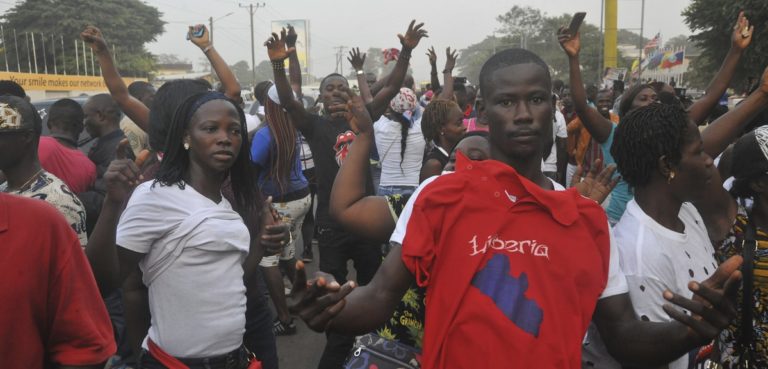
(642, 45)
(251, 12)
(210, 29)
(340, 59)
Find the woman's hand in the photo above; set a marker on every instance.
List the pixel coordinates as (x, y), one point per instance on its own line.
(276, 47)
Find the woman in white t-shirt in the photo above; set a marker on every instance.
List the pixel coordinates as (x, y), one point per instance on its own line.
(400, 144)
(191, 244)
(664, 237)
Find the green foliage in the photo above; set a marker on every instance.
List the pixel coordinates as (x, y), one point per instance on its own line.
(531, 29)
(712, 23)
(126, 24)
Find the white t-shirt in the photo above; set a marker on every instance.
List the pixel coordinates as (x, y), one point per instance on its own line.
(388, 137)
(654, 259)
(559, 130)
(198, 300)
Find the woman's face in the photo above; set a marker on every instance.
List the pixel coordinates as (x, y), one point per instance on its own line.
(454, 129)
(647, 96)
(214, 136)
(696, 168)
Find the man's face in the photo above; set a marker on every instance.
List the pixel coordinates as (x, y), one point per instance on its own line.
(13, 146)
(604, 103)
(518, 108)
(91, 120)
(331, 89)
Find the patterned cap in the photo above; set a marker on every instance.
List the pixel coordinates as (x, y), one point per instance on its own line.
(10, 119)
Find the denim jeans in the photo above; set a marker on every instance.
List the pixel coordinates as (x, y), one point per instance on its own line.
(396, 190)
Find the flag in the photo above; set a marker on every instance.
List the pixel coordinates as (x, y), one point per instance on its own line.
(673, 59)
(654, 42)
(390, 55)
(655, 60)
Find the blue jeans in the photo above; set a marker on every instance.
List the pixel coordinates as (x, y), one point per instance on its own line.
(396, 190)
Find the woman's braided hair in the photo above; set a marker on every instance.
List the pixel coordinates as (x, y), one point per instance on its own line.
(435, 116)
(643, 136)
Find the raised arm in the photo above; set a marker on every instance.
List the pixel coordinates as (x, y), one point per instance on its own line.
(278, 52)
(131, 106)
(367, 216)
(597, 125)
(740, 39)
(220, 67)
(380, 102)
(725, 130)
(111, 264)
(450, 63)
(294, 67)
(358, 61)
(433, 79)
(635, 342)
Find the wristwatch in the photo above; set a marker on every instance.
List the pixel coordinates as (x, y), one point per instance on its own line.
(360, 72)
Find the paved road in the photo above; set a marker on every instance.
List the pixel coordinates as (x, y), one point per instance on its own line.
(303, 350)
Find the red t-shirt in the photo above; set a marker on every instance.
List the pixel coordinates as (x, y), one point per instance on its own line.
(513, 272)
(70, 165)
(50, 308)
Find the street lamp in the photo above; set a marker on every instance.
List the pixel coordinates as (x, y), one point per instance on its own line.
(210, 23)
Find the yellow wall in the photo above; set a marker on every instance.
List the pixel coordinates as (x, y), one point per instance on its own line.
(56, 82)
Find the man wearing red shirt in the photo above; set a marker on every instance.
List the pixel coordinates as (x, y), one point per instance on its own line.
(50, 308)
(59, 154)
(514, 271)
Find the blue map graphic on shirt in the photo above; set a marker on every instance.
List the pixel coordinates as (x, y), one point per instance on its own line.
(508, 293)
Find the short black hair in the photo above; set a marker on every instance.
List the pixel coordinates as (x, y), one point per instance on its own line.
(8, 87)
(643, 136)
(260, 91)
(27, 111)
(749, 163)
(107, 106)
(167, 99)
(506, 58)
(67, 115)
(139, 89)
(328, 77)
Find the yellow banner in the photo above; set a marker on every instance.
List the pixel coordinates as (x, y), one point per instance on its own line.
(57, 82)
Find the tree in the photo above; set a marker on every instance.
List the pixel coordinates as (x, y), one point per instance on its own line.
(242, 71)
(127, 24)
(171, 59)
(529, 28)
(712, 23)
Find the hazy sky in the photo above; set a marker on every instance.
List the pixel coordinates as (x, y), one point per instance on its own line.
(366, 23)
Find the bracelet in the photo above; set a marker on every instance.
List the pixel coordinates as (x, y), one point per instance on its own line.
(447, 71)
(207, 49)
(278, 65)
(405, 55)
(434, 72)
(360, 72)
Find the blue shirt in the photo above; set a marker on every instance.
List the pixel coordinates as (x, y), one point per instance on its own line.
(622, 193)
(261, 148)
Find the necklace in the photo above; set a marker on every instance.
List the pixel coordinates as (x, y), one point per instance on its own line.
(32, 178)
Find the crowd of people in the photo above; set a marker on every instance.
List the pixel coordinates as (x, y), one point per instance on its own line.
(523, 222)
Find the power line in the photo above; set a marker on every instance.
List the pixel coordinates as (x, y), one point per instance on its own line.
(340, 59)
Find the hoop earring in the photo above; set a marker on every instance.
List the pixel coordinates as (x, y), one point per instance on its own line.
(186, 146)
(671, 177)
